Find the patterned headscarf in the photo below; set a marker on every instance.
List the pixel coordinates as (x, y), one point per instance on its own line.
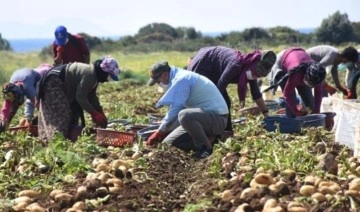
(16, 89)
(110, 66)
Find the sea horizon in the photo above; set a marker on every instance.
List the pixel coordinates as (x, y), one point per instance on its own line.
(37, 44)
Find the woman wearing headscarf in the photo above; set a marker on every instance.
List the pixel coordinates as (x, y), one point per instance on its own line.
(21, 88)
(295, 70)
(224, 65)
(68, 86)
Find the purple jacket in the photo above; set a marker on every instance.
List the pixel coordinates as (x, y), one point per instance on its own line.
(292, 58)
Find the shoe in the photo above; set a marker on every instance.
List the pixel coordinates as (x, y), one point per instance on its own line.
(203, 152)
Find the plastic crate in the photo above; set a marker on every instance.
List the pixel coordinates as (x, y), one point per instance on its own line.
(32, 130)
(313, 120)
(145, 133)
(114, 138)
(286, 125)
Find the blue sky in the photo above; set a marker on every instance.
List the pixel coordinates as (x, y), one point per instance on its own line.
(39, 18)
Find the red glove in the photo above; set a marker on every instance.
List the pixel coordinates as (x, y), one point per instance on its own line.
(156, 137)
(99, 119)
(301, 113)
(343, 90)
(350, 95)
(331, 90)
(59, 52)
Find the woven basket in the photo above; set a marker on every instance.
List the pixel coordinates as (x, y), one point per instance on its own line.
(33, 130)
(114, 138)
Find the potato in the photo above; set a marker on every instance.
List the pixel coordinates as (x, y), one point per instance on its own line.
(248, 192)
(26, 199)
(297, 209)
(55, 192)
(102, 167)
(226, 195)
(79, 205)
(116, 163)
(35, 207)
(310, 180)
(136, 155)
(29, 193)
(307, 190)
(21, 206)
(114, 190)
(114, 182)
(355, 184)
(352, 193)
(270, 203)
(264, 178)
(243, 207)
(319, 197)
(63, 197)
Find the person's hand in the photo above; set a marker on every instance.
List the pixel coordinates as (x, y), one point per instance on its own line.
(343, 90)
(156, 137)
(59, 54)
(99, 119)
(350, 95)
(300, 113)
(331, 90)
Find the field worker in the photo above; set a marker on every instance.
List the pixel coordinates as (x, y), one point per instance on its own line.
(330, 56)
(22, 85)
(68, 48)
(74, 82)
(201, 116)
(353, 79)
(295, 70)
(224, 65)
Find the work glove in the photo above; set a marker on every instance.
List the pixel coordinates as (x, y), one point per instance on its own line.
(59, 53)
(350, 95)
(343, 90)
(24, 123)
(99, 119)
(331, 90)
(156, 137)
(300, 113)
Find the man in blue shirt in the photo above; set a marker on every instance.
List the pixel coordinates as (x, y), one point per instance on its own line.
(195, 102)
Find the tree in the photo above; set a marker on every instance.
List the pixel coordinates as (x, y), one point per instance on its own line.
(255, 33)
(335, 29)
(157, 28)
(91, 41)
(356, 30)
(4, 44)
(284, 34)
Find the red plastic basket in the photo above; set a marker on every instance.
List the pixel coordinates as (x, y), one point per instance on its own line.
(33, 130)
(114, 138)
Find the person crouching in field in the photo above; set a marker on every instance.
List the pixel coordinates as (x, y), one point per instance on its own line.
(201, 116)
(331, 56)
(70, 85)
(22, 85)
(294, 69)
(224, 65)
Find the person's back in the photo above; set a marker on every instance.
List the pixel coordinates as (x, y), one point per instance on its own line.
(323, 54)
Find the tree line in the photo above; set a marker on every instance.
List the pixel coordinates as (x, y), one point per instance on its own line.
(336, 29)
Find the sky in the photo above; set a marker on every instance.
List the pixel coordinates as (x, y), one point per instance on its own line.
(24, 19)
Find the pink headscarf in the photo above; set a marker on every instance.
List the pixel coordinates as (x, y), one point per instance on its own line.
(110, 66)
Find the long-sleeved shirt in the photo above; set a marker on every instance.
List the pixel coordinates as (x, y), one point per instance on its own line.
(224, 65)
(81, 84)
(190, 90)
(287, 60)
(28, 77)
(326, 56)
